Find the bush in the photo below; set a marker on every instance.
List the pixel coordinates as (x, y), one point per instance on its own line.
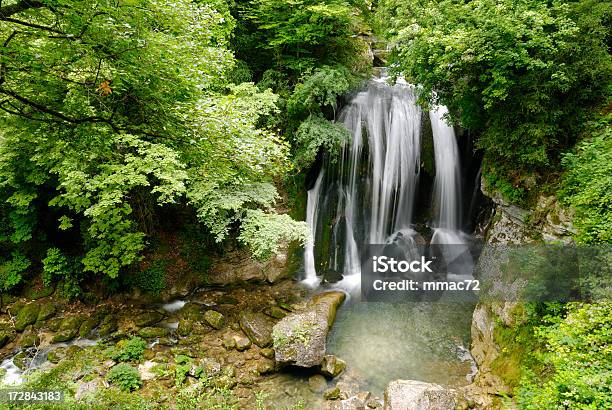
(124, 376)
(578, 359)
(587, 185)
(132, 349)
(317, 133)
(11, 271)
(153, 279)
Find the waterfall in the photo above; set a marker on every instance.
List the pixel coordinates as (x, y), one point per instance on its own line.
(372, 186)
(311, 219)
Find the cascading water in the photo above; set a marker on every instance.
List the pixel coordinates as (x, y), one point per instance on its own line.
(369, 192)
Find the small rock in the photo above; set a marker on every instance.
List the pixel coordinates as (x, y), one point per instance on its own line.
(333, 393)
(242, 342)
(86, 388)
(27, 316)
(55, 355)
(332, 366)
(276, 312)
(214, 319)
(265, 366)
(145, 370)
(148, 318)
(374, 403)
(210, 366)
(229, 342)
(267, 352)
(257, 327)
(192, 311)
(153, 332)
(352, 403)
(317, 383)
(28, 340)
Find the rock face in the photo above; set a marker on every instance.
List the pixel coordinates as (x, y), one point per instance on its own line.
(257, 327)
(239, 266)
(416, 395)
(299, 338)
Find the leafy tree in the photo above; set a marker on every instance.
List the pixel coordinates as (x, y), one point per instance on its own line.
(108, 108)
(522, 74)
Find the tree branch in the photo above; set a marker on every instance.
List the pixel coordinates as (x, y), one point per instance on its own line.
(18, 7)
(32, 25)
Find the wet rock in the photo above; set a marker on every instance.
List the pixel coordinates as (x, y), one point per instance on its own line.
(267, 353)
(47, 310)
(417, 395)
(20, 360)
(27, 316)
(332, 366)
(108, 325)
(317, 383)
(257, 327)
(300, 338)
(5, 337)
(86, 388)
(153, 332)
(192, 311)
(242, 342)
(68, 329)
(214, 319)
(148, 318)
(333, 393)
(88, 325)
(185, 327)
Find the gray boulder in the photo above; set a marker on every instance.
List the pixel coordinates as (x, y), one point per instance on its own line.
(417, 395)
(300, 337)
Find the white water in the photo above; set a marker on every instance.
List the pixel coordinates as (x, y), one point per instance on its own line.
(174, 306)
(311, 219)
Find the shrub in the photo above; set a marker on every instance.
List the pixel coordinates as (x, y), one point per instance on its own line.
(124, 376)
(132, 349)
(153, 279)
(317, 133)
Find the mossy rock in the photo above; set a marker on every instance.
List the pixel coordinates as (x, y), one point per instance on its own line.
(5, 337)
(185, 327)
(148, 318)
(257, 327)
(153, 332)
(28, 340)
(55, 355)
(20, 360)
(27, 316)
(108, 325)
(68, 329)
(214, 319)
(88, 325)
(32, 293)
(192, 311)
(54, 323)
(332, 393)
(276, 312)
(47, 310)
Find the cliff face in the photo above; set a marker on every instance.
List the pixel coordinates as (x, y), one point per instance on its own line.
(494, 323)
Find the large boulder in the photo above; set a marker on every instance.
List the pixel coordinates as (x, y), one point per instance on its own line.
(300, 337)
(258, 327)
(417, 395)
(68, 329)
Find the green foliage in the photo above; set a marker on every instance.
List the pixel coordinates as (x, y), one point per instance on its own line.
(263, 232)
(578, 353)
(125, 377)
(11, 271)
(110, 113)
(587, 185)
(132, 349)
(183, 366)
(152, 279)
(315, 134)
(300, 34)
(522, 74)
